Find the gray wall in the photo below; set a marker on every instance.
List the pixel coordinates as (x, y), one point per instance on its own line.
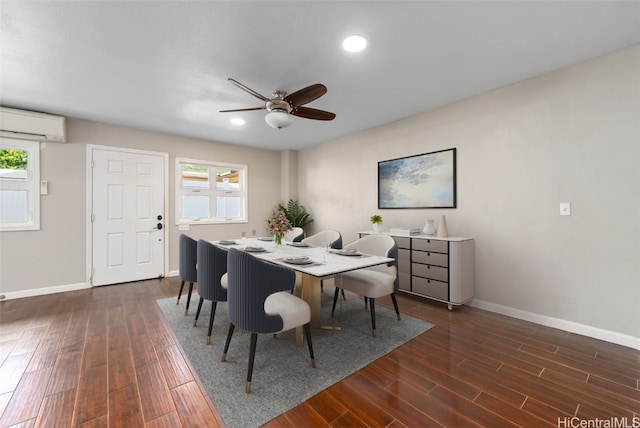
(55, 256)
(569, 136)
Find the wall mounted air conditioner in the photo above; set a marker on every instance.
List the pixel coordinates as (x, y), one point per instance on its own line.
(29, 125)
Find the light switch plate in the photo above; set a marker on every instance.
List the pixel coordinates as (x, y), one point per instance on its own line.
(565, 208)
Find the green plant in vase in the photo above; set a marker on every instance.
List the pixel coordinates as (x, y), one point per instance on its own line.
(376, 220)
(296, 214)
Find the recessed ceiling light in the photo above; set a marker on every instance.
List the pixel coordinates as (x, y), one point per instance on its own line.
(238, 121)
(354, 43)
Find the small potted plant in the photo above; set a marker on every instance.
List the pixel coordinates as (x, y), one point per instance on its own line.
(376, 220)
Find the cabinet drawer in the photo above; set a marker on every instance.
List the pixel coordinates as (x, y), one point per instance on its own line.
(431, 288)
(402, 242)
(431, 245)
(404, 266)
(405, 280)
(430, 258)
(404, 254)
(432, 272)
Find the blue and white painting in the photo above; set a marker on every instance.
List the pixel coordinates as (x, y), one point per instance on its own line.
(422, 181)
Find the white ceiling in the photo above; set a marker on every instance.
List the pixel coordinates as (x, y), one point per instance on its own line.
(164, 66)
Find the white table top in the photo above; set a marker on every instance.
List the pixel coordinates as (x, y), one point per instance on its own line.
(324, 265)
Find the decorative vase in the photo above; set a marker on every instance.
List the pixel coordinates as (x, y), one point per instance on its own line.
(429, 227)
(278, 238)
(377, 227)
(443, 232)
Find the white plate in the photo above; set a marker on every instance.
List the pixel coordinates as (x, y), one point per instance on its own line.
(266, 238)
(298, 260)
(348, 253)
(225, 242)
(254, 249)
(298, 244)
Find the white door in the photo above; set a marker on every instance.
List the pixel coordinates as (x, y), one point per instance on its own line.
(127, 211)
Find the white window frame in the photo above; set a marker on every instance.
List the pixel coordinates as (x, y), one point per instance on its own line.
(31, 184)
(212, 193)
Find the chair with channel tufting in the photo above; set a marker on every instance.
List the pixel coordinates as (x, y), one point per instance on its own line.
(212, 279)
(259, 302)
(187, 262)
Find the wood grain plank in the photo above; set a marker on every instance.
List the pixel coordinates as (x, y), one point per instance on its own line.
(101, 422)
(124, 407)
(170, 420)
(122, 373)
(326, 406)
(516, 415)
(154, 393)
(92, 397)
(176, 369)
(304, 415)
(192, 408)
(26, 399)
(12, 370)
(66, 372)
(57, 410)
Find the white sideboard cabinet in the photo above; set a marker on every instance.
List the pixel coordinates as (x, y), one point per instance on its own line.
(437, 268)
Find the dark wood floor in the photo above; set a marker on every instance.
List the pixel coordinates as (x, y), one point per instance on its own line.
(105, 357)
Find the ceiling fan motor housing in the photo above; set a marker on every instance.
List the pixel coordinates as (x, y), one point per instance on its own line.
(278, 105)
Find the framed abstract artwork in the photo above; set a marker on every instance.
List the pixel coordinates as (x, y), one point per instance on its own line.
(420, 181)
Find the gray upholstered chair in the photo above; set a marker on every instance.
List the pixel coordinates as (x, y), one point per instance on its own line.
(187, 260)
(212, 279)
(331, 236)
(373, 282)
(294, 235)
(259, 302)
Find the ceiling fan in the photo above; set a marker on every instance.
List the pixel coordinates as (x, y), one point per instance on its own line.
(282, 106)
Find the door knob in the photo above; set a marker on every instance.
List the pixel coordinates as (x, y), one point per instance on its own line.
(159, 226)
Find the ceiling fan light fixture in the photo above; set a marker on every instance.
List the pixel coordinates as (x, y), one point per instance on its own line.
(278, 118)
(354, 43)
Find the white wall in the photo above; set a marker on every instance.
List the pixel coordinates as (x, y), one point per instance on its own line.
(569, 136)
(53, 258)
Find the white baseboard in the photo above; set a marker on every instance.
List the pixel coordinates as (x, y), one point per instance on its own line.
(570, 326)
(45, 290)
(173, 273)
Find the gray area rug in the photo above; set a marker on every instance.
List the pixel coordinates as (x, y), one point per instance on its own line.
(282, 374)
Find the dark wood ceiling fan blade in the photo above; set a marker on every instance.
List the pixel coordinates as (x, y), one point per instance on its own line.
(306, 95)
(242, 109)
(249, 90)
(313, 113)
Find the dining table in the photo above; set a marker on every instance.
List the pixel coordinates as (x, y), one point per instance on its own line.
(312, 265)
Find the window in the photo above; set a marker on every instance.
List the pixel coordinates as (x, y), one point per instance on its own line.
(19, 185)
(210, 192)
